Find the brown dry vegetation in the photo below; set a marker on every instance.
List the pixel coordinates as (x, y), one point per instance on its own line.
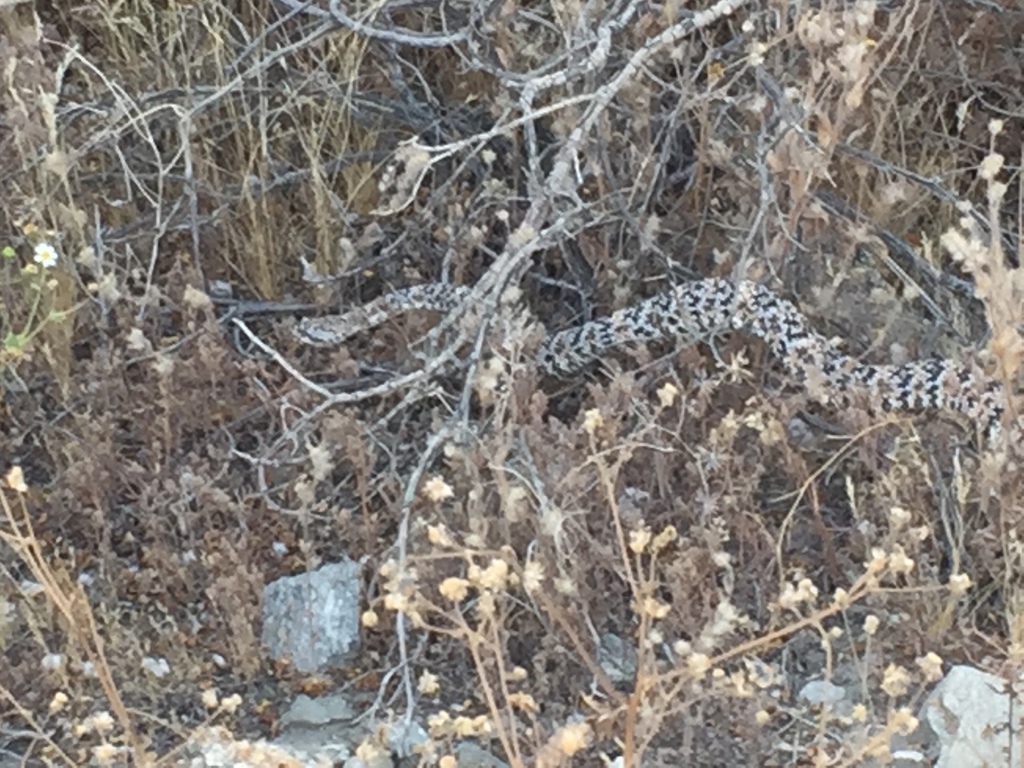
(704, 512)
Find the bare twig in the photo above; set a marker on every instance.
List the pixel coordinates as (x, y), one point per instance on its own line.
(402, 37)
(345, 398)
(934, 186)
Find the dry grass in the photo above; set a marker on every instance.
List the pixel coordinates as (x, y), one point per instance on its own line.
(735, 537)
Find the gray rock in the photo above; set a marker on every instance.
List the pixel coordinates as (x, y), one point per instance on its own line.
(617, 658)
(332, 708)
(404, 738)
(472, 755)
(313, 618)
(321, 726)
(822, 692)
(969, 713)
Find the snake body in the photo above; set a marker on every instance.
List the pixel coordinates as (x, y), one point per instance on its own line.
(700, 309)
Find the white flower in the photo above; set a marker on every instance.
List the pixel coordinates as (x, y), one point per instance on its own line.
(45, 255)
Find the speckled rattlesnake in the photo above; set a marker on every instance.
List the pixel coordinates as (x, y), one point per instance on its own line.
(699, 309)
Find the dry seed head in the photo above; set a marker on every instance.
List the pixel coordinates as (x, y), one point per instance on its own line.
(592, 421)
(879, 561)
(653, 608)
(959, 583)
(871, 625)
(807, 590)
(15, 480)
(790, 597)
(638, 540)
(105, 754)
(996, 192)
(472, 726)
(439, 536)
(667, 394)
(533, 576)
(895, 680)
(682, 648)
(698, 664)
(57, 703)
(898, 518)
(762, 717)
(101, 722)
(741, 685)
(991, 166)
(523, 701)
(487, 606)
(454, 589)
(439, 724)
(196, 299)
(899, 562)
(494, 576)
(904, 720)
(516, 503)
(321, 461)
(931, 665)
(755, 54)
(488, 379)
(522, 235)
(565, 586)
(428, 684)
(572, 738)
(666, 536)
(388, 569)
(369, 752)
(726, 619)
(369, 619)
(436, 489)
(841, 599)
(230, 704)
(395, 601)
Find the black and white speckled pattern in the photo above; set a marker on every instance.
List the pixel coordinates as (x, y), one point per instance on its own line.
(697, 310)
